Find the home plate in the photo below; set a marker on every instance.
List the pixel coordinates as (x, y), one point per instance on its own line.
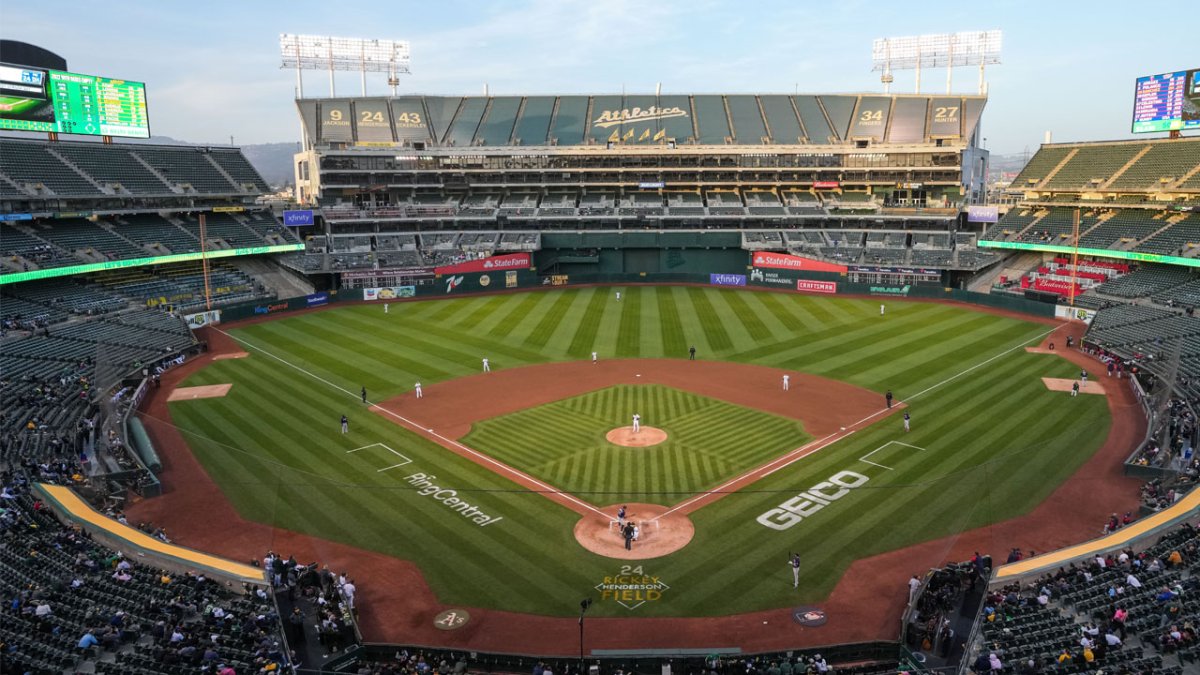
(1063, 384)
(206, 391)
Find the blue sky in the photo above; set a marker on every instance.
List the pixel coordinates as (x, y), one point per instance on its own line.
(212, 68)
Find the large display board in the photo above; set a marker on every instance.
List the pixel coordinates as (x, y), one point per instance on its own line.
(1167, 102)
(37, 99)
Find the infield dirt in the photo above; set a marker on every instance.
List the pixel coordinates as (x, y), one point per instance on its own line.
(398, 606)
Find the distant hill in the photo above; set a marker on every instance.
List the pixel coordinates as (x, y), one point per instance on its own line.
(273, 160)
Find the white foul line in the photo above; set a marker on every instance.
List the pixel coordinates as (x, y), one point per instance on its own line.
(416, 426)
(982, 363)
(808, 449)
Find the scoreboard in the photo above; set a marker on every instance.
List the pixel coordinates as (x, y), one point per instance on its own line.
(37, 99)
(1167, 102)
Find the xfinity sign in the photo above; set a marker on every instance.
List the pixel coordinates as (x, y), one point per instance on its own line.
(296, 218)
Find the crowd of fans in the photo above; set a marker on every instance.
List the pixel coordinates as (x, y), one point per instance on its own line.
(69, 600)
(1100, 613)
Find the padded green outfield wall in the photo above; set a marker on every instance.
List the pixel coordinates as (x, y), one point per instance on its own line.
(630, 260)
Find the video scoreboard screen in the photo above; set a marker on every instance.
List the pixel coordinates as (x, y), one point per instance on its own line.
(37, 99)
(1167, 102)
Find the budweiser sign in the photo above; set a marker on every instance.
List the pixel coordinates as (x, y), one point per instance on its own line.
(611, 118)
(783, 261)
(511, 261)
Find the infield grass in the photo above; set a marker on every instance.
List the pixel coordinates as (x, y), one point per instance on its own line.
(994, 441)
(708, 441)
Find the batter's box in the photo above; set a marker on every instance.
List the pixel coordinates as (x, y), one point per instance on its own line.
(868, 461)
(404, 460)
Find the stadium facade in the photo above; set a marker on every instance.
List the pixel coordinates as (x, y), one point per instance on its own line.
(867, 181)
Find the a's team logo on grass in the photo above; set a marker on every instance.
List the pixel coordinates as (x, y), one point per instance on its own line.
(809, 616)
(632, 588)
(451, 619)
(453, 282)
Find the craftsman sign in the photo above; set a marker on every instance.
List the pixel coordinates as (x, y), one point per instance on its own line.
(631, 588)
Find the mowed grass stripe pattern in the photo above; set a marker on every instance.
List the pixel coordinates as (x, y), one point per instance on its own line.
(996, 441)
(564, 443)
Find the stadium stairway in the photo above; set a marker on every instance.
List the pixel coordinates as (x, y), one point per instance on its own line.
(286, 284)
(983, 282)
(1053, 172)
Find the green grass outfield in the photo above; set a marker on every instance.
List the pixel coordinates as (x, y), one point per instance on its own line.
(992, 443)
(707, 442)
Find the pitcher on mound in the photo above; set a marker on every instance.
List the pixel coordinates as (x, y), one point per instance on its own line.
(637, 423)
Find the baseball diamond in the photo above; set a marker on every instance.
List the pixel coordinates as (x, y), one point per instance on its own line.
(978, 394)
(650, 382)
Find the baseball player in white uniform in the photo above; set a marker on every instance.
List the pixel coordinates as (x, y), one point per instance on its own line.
(618, 296)
(385, 308)
(881, 308)
(786, 382)
(637, 423)
(795, 564)
(417, 390)
(593, 357)
(487, 367)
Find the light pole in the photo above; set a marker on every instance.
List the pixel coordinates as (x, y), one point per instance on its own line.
(583, 608)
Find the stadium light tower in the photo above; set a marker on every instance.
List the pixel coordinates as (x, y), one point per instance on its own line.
(319, 52)
(952, 50)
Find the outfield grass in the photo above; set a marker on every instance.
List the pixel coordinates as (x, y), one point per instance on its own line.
(708, 441)
(994, 441)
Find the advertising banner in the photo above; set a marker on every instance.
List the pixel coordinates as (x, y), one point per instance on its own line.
(510, 279)
(316, 299)
(510, 261)
(727, 279)
(389, 292)
(761, 277)
(1074, 313)
(982, 214)
(201, 319)
(389, 272)
(825, 184)
(922, 271)
(228, 209)
(297, 218)
(783, 261)
(555, 280)
(890, 290)
(809, 286)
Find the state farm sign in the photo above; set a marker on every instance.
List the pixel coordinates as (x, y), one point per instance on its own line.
(510, 261)
(784, 261)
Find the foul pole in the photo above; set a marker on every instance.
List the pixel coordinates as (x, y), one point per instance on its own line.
(204, 263)
(1074, 256)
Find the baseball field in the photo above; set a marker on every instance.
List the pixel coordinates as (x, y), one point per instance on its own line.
(483, 481)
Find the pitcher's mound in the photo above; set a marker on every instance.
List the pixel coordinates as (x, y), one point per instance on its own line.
(206, 391)
(644, 438)
(658, 534)
(1062, 384)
